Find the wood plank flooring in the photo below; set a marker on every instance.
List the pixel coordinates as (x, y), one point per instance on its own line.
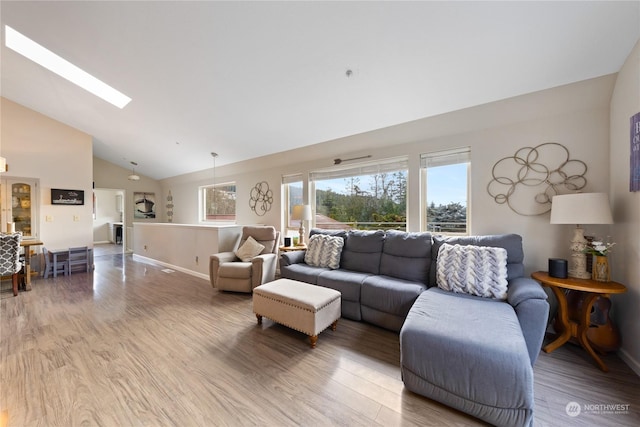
(131, 345)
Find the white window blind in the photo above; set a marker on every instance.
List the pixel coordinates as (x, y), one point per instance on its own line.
(446, 157)
(368, 168)
(288, 179)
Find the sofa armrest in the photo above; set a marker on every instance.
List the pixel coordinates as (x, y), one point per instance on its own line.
(529, 301)
(293, 257)
(264, 269)
(214, 264)
(524, 288)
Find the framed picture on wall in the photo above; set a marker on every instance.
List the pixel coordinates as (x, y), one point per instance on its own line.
(67, 197)
(144, 205)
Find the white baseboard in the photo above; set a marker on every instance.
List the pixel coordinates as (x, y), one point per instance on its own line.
(629, 360)
(101, 242)
(171, 266)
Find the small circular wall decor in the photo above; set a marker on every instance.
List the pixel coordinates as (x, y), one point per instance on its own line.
(261, 198)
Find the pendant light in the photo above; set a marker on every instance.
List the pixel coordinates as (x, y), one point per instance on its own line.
(133, 176)
(213, 193)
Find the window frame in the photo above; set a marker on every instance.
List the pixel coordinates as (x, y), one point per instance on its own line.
(444, 158)
(287, 180)
(202, 191)
(370, 168)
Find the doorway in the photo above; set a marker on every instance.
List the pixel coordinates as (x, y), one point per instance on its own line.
(109, 231)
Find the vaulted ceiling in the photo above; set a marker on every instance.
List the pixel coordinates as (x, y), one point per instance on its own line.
(246, 79)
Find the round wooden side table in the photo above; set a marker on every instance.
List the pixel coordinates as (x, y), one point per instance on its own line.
(574, 314)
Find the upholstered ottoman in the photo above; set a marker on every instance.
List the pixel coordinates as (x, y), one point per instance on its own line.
(468, 353)
(309, 309)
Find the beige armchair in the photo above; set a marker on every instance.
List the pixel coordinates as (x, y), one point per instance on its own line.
(228, 273)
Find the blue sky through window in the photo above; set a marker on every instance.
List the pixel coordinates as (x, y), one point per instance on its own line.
(446, 184)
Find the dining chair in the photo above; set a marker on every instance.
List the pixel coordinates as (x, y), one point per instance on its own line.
(61, 265)
(10, 257)
(78, 257)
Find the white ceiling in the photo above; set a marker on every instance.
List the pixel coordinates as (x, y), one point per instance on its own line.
(247, 79)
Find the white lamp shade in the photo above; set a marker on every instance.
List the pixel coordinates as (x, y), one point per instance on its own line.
(581, 208)
(3, 164)
(301, 212)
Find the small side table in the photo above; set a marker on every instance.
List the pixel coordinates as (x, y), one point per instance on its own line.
(292, 248)
(578, 326)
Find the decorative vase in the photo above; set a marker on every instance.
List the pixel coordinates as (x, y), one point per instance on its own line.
(600, 271)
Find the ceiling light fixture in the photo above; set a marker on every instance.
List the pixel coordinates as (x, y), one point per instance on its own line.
(133, 176)
(213, 192)
(52, 62)
(214, 155)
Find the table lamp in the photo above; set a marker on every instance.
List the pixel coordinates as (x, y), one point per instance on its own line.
(302, 213)
(580, 208)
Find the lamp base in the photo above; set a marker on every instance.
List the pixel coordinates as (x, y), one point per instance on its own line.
(578, 260)
(302, 233)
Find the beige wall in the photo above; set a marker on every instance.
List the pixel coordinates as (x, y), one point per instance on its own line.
(37, 146)
(625, 257)
(576, 116)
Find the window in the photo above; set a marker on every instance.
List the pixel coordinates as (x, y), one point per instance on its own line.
(445, 180)
(219, 202)
(292, 195)
(363, 196)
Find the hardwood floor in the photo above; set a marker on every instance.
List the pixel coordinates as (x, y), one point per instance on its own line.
(131, 345)
(107, 249)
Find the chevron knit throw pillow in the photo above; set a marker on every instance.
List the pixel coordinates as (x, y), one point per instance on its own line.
(324, 251)
(474, 270)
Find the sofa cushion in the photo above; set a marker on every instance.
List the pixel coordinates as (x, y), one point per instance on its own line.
(474, 270)
(511, 242)
(265, 235)
(390, 295)
(468, 353)
(235, 270)
(324, 251)
(334, 233)
(249, 249)
(406, 256)
(301, 272)
(347, 282)
(362, 251)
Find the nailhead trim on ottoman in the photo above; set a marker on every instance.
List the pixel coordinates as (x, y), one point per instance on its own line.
(309, 309)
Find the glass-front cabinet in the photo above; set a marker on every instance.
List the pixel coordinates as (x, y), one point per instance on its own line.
(19, 205)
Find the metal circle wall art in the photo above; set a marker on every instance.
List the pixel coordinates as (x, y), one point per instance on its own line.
(528, 180)
(169, 207)
(261, 198)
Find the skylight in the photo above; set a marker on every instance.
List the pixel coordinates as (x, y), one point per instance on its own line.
(49, 60)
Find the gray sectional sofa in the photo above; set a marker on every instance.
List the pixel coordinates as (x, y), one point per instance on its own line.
(472, 353)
